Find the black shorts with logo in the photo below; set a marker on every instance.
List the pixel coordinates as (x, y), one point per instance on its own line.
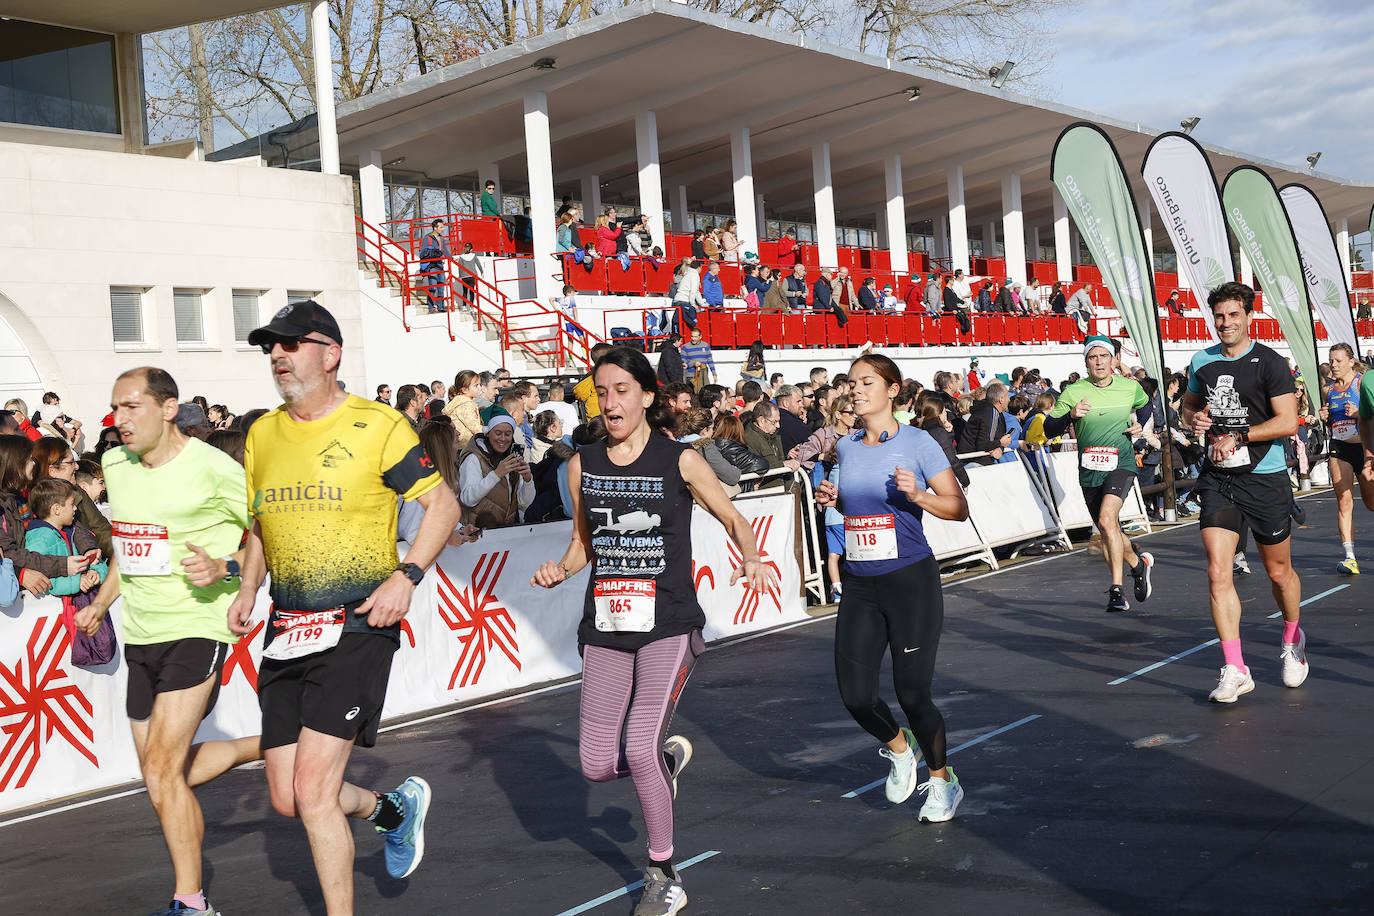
(1352, 453)
(1118, 484)
(1262, 501)
(163, 667)
(339, 691)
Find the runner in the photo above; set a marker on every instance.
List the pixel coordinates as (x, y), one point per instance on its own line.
(1101, 408)
(323, 474)
(641, 624)
(1366, 430)
(180, 510)
(891, 600)
(1242, 398)
(1342, 417)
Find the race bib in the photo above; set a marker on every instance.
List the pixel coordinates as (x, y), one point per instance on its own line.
(624, 605)
(1099, 458)
(870, 537)
(299, 633)
(1344, 429)
(1240, 458)
(141, 550)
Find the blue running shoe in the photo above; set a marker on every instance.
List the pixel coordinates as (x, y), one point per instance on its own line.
(177, 908)
(405, 844)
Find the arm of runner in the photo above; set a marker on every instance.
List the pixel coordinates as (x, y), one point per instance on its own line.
(946, 502)
(391, 600)
(88, 619)
(579, 548)
(1062, 415)
(204, 570)
(707, 491)
(1282, 424)
(1192, 413)
(253, 571)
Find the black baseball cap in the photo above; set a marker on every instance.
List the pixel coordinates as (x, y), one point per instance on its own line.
(297, 320)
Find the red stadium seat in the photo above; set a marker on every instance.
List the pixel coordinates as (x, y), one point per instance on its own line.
(620, 280)
(949, 330)
(722, 330)
(913, 330)
(768, 252)
(770, 329)
(486, 235)
(658, 280)
(1025, 329)
(793, 330)
(835, 335)
(679, 247)
(882, 260)
(706, 319)
(582, 279)
(856, 330)
(731, 276)
(810, 256)
(746, 329)
(814, 329)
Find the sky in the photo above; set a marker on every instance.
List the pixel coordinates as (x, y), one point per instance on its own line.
(1274, 79)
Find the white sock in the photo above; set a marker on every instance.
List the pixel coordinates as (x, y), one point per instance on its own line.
(1349, 549)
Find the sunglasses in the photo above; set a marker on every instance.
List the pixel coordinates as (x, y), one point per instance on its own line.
(292, 344)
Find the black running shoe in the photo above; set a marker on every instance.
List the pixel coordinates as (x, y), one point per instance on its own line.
(1141, 575)
(1299, 514)
(1116, 600)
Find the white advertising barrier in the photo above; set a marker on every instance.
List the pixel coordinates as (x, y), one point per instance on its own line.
(1068, 495)
(476, 628)
(1005, 505)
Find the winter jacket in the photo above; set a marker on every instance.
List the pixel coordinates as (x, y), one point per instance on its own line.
(868, 301)
(467, 420)
(710, 450)
(946, 441)
(787, 252)
(90, 518)
(820, 294)
(739, 455)
(606, 237)
(670, 365)
(42, 537)
(775, 299)
(12, 543)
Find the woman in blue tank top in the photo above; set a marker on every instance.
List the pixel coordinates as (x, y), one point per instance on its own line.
(1346, 457)
(891, 601)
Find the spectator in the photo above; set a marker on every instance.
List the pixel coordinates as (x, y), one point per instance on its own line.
(1030, 296)
(1149, 447)
(1034, 434)
(976, 377)
(1172, 307)
(728, 434)
(792, 426)
(510, 405)
(585, 390)
(890, 302)
(565, 206)
(986, 430)
(54, 531)
(469, 270)
(710, 244)
(190, 419)
(1006, 302)
(787, 248)
(751, 394)
(1018, 406)
(495, 485)
(819, 376)
(409, 402)
(670, 360)
(755, 367)
(1058, 304)
(934, 416)
(53, 458)
(952, 305)
(35, 571)
(565, 238)
(776, 296)
(219, 416)
(90, 477)
(550, 456)
(915, 303)
(960, 286)
(434, 251)
(557, 403)
(984, 303)
(463, 409)
(935, 295)
(438, 442)
(693, 429)
(60, 424)
(698, 362)
(796, 288)
(680, 397)
(868, 296)
(489, 205)
(1364, 312)
(712, 292)
(839, 422)
(762, 437)
(687, 299)
(1081, 308)
(710, 397)
(634, 240)
(904, 407)
(21, 412)
(752, 289)
(522, 227)
(818, 410)
(229, 441)
(845, 296)
(1018, 305)
(438, 389)
(729, 241)
(9, 425)
(607, 235)
(383, 394)
(823, 292)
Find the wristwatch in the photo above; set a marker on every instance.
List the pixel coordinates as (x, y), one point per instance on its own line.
(415, 574)
(231, 568)
(1242, 436)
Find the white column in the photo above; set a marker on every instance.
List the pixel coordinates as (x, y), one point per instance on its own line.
(323, 59)
(539, 164)
(1147, 223)
(1013, 228)
(1343, 249)
(894, 224)
(1034, 254)
(679, 203)
(942, 235)
(490, 171)
(1063, 253)
(880, 228)
(591, 198)
(990, 239)
(1247, 275)
(650, 177)
(958, 220)
(762, 216)
(742, 175)
(826, 246)
(371, 189)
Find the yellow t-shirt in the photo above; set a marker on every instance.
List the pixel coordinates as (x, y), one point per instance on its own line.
(585, 391)
(324, 493)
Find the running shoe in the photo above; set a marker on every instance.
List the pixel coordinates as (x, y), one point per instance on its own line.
(1141, 575)
(663, 896)
(1349, 566)
(677, 751)
(1294, 658)
(1116, 600)
(405, 843)
(836, 591)
(942, 798)
(1240, 566)
(177, 908)
(1192, 507)
(901, 779)
(1232, 683)
(1299, 514)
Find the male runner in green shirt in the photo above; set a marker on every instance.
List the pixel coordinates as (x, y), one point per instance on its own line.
(1365, 473)
(1101, 409)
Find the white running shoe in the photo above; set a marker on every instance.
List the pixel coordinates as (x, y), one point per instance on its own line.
(901, 779)
(1232, 683)
(1294, 658)
(1240, 566)
(942, 798)
(663, 896)
(678, 751)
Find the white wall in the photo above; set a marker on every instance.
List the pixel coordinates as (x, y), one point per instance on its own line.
(75, 222)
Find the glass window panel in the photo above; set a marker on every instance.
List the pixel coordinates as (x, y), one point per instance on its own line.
(186, 304)
(57, 77)
(245, 313)
(126, 315)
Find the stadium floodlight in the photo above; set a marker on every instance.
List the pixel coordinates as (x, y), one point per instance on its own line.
(1312, 161)
(1188, 124)
(999, 73)
(913, 93)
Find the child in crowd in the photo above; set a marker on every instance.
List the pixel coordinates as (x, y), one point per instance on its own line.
(825, 469)
(90, 477)
(53, 530)
(567, 305)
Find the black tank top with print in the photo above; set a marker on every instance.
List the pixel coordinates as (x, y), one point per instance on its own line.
(641, 521)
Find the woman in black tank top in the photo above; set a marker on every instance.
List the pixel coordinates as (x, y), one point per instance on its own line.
(640, 633)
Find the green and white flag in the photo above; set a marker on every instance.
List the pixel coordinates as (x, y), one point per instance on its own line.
(1184, 188)
(1261, 226)
(1088, 173)
(1321, 264)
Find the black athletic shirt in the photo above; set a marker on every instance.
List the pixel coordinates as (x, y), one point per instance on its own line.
(1238, 391)
(641, 521)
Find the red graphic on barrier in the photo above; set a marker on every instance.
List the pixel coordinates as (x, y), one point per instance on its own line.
(698, 574)
(749, 601)
(479, 619)
(37, 699)
(410, 634)
(240, 656)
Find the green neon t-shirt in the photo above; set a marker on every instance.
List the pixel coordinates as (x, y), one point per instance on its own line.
(1103, 428)
(1367, 395)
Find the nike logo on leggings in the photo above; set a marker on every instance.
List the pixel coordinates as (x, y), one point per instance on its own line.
(909, 651)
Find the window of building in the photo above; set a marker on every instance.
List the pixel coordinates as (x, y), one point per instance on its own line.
(56, 77)
(187, 310)
(300, 295)
(126, 314)
(246, 316)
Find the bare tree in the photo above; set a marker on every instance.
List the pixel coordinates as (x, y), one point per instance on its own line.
(958, 37)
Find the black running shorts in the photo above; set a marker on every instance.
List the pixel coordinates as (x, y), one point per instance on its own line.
(1262, 501)
(163, 667)
(1352, 453)
(1118, 484)
(338, 692)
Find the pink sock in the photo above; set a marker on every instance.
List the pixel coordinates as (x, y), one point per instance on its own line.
(1290, 631)
(195, 901)
(1231, 649)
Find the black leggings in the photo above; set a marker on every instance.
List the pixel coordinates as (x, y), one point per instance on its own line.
(901, 611)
